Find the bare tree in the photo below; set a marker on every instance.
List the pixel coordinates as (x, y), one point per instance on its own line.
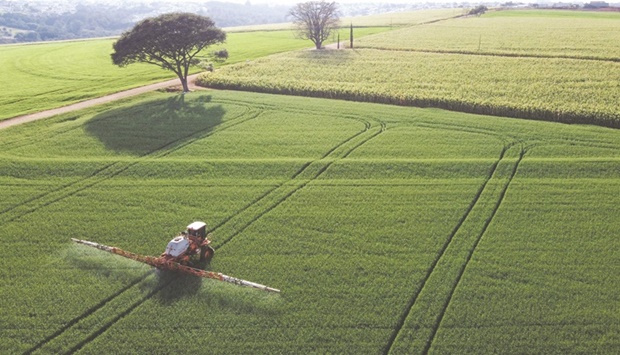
(315, 20)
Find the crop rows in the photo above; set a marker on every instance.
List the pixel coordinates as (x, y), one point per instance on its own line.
(352, 209)
(536, 65)
(562, 90)
(587, 37)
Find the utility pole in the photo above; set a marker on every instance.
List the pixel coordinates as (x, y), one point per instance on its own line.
(351, 36)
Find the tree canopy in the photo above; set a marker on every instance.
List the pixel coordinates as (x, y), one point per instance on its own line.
(315, 20)
(171, 41)
(478, 10)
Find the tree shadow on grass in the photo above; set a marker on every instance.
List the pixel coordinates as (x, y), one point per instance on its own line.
(155, 125)
(334, 55)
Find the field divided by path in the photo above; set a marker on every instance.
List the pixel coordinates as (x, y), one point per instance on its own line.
(388, 228)
(53, 75)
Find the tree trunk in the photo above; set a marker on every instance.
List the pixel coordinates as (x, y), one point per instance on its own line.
(184, 83)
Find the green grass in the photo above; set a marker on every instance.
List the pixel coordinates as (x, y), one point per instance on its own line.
(47, 75)
(385, 227)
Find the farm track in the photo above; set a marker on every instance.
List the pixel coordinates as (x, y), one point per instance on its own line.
(93, 102)
(418, 325)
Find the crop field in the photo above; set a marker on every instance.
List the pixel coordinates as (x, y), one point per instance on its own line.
(522, 72)
(533, 33)
(388, 229)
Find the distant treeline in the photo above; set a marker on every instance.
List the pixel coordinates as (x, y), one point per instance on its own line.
(100, 20)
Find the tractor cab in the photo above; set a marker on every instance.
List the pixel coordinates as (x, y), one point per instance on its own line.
(191, 242)
(197, 230)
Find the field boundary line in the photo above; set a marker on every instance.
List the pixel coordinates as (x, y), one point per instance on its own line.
(442, 251)
(493, 54)
(473, 249)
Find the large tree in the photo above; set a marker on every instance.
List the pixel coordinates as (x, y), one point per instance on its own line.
(315, 20)
(171, 41)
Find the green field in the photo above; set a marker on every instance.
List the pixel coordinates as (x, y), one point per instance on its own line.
(49, 75)
(388, 229)
(552, 68)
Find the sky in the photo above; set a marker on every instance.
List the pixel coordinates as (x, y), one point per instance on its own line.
(278, 2)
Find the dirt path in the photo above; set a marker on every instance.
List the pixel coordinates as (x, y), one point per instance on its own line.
(98, 101)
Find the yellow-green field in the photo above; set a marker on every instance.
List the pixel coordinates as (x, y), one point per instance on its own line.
(522, 69)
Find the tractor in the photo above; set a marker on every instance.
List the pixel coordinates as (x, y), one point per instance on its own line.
(180, 254)
(183, 248)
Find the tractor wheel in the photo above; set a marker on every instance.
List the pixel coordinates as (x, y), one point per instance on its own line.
(206, 253)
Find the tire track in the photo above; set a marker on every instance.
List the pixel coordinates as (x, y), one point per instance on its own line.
(413, 299)
(88, 312)
(270, 207)
(412, 312)
(118, 317)
(473, 249)
(292, 187)
(367, 126)
(198, 135)
(101, 306)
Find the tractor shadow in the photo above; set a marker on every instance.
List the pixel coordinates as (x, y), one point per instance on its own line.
(155, 125)
(173, 287)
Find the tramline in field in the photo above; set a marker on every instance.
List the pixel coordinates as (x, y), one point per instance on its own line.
(179, 255)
